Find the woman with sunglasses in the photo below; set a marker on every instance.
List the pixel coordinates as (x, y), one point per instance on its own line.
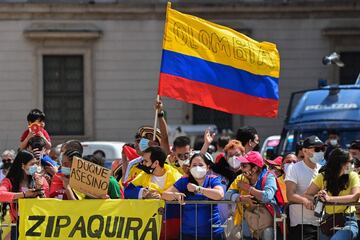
(337, 183)
(7, 158)
(198, 219)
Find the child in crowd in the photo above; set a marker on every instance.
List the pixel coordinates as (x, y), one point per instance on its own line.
(36, 124)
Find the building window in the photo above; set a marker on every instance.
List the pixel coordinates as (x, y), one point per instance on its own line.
(63, 86)
(350, 71)
(203, 115)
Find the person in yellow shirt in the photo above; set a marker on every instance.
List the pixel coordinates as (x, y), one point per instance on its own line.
(155, 178)
(338, 184)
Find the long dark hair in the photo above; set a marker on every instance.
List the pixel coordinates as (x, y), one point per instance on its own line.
(16, 173)
(336, 160)
(206, 160)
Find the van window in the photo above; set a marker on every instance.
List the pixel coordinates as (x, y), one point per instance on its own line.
(350, 71)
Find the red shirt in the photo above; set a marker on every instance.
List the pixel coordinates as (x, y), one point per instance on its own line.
(6, 195)
(26, 133)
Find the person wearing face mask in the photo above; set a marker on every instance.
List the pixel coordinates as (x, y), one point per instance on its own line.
(332, 142)
(7, 159)
(198, 186)
(289, 160)
(37, 145)
(338, 183)
(228, 167)
(261, 185)
(22, 181)
(355, 149)
(297, 179)
(179, 158)
(143, 140)
(155, 178)
(249, 138)
(60, 187)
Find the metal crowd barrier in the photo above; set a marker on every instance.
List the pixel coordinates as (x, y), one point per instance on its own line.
(276, 219)
(320, 235)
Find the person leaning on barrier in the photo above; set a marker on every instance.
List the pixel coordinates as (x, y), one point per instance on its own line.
(155, 178)
(338, 184)
(261, 185)
(302, 220)
(23, 181)
(198, 186)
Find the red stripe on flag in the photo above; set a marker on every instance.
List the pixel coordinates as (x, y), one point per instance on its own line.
(214, 97)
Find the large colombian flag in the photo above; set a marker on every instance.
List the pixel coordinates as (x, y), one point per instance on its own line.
(216, 67)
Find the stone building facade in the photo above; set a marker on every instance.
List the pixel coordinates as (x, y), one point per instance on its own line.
(93, 66)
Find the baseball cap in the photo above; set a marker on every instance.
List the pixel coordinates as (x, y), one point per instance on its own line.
(277, 161)
(312, 141)
(252, 157)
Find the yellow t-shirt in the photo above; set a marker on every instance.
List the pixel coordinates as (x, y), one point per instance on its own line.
(179, 168)
(239, 210)
(353, 182)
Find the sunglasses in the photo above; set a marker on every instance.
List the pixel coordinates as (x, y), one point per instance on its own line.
(183, 156)
(6, 160)
(319, 149)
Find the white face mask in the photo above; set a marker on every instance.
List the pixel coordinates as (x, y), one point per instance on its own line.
(333, 142)
(317, 157)
(349, 169)
(233, 162)
(185, 162)
(198, 172)
(286, 167)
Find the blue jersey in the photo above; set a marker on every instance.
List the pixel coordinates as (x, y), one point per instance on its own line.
(199, 219)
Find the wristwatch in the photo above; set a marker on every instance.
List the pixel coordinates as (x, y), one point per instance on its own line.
(198, 190)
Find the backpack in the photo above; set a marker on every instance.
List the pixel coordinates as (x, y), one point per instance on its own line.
(280, 200)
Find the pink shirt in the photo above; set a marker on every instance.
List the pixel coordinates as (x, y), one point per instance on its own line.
(6, 195)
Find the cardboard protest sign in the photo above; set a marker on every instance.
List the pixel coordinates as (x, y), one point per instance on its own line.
(89, 178)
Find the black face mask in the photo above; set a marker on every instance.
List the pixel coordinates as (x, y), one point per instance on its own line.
(6, 165)
(256, 148)
(146, 169)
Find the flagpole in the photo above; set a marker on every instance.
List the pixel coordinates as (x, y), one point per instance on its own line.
(156, 117)
(157, 96)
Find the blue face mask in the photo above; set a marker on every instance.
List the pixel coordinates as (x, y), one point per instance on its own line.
(66, 171)
(143, 144)
(32, 170)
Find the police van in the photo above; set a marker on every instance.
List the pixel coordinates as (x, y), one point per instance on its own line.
(318, 111)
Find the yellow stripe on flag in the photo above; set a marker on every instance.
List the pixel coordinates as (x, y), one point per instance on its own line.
(193, 36)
